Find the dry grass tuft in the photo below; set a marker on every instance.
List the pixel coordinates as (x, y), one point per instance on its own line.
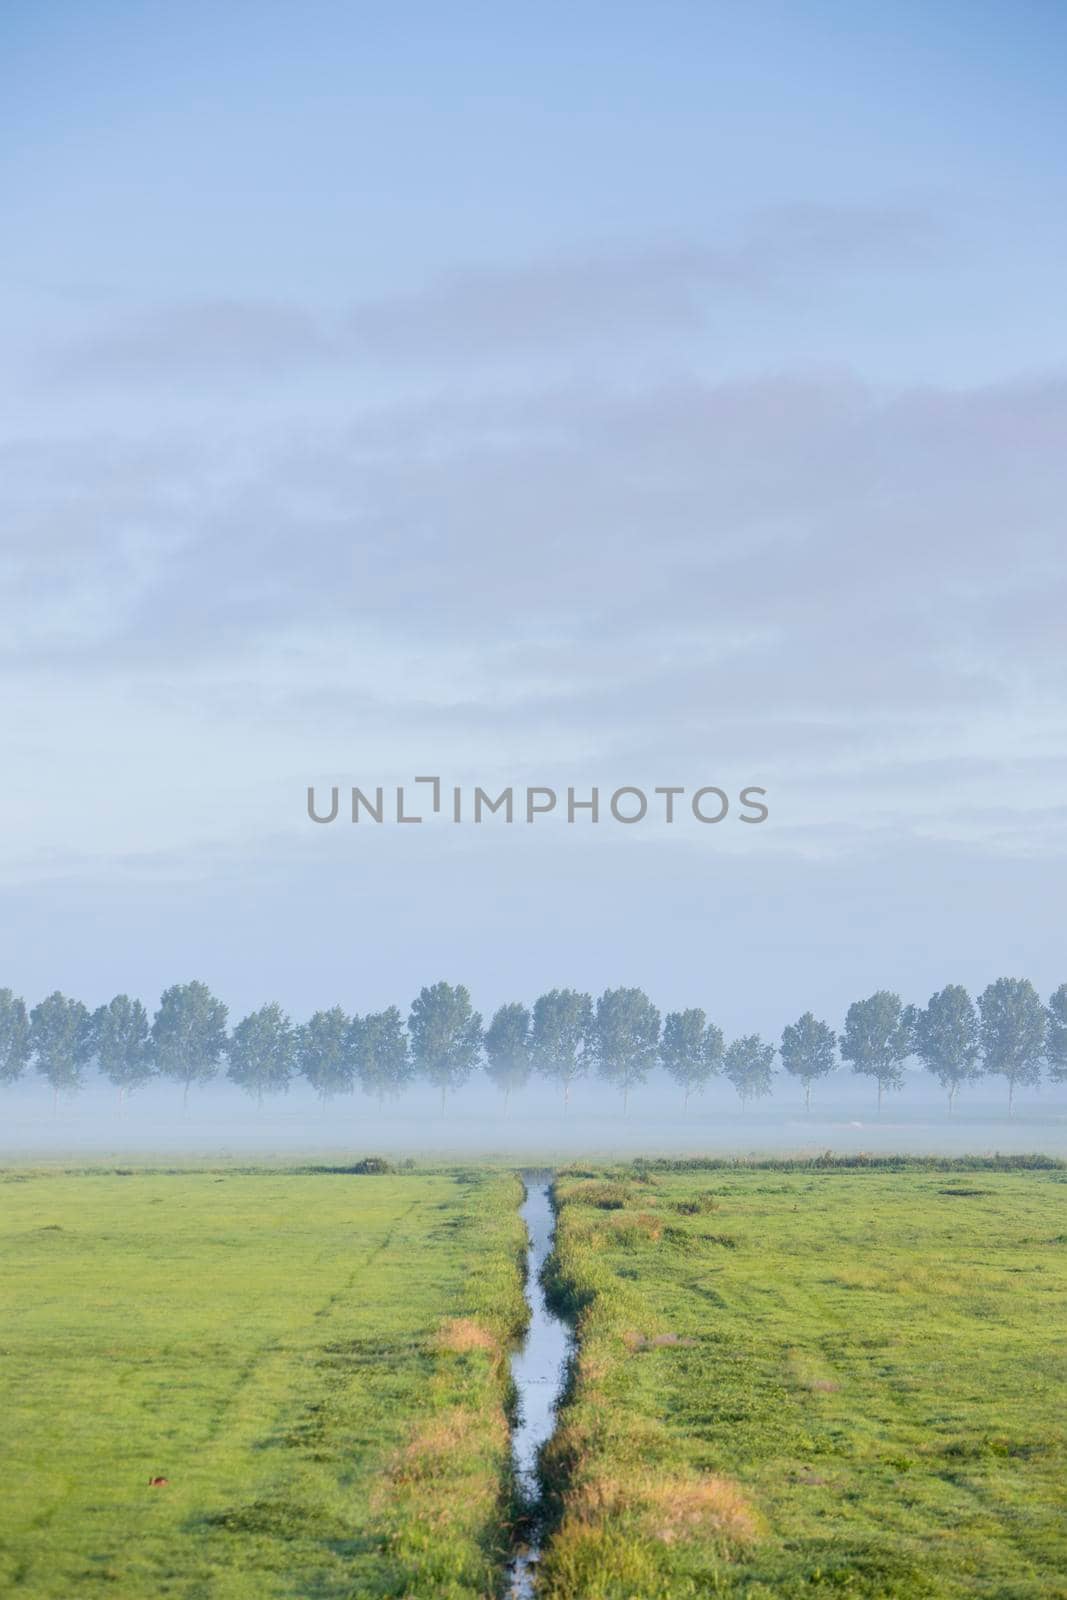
(460, 1335)
(689, 1509)
(669, 1509)
(631, 1227)
(437, 1443)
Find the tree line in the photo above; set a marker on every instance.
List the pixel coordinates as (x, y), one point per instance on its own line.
(1007, 1032)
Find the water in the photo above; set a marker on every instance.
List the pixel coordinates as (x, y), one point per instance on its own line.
(539, 1370)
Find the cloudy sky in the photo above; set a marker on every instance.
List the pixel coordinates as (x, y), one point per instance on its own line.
(587, 394)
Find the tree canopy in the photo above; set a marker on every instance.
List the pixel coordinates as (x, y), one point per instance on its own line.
(690, 1049)
(562, 1036)
(508, 1047)
(1012, 1032)
(120, 1042)
(877, 1039)
(626, 1033)
(380, 1053)
(323, 1056)
(189, 1034)
(749, 1065)
(807, 1051)
(945, 1039)
(61, 1041)
(15, 1047)
(446, 1035)
(262, 1051)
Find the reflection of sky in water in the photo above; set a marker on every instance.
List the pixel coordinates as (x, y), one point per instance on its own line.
(539, 1367)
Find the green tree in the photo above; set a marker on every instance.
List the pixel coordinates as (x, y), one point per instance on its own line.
(189, 1035)
(1055, 1043)
(877, 1040)
(807, 1051)
(61, 1041)
(562, 1037)
(1012, 1033)
(446, 1035)
(380, 1053)
(626, 1038)
(945, 1039)
(749, 1065)
(14, 1036)
(690, 1049)
(262, 1052)
(323, 1054)
(507, 1048)
(121, 1045)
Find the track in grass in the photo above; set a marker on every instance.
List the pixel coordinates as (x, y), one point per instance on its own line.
(316, 1363)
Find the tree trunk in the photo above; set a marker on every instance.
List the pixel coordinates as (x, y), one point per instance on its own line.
(879, 1097)
(807, 1099)
(1011, 1097)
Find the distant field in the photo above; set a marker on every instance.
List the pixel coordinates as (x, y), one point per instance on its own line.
(802, 1384)
(312, 1360)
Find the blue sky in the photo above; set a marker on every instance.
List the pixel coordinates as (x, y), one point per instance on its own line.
(574, 394)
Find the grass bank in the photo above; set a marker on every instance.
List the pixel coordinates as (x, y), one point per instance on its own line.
(804, 1379)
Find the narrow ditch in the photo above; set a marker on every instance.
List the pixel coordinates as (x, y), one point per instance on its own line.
(539, 1371)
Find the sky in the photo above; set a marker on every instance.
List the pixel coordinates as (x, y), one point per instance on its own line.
(571, 395)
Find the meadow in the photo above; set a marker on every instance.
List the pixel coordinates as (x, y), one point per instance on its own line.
(791, 1379)
(313, 1359)
(799, 1383)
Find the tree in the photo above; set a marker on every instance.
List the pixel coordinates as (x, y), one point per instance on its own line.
(877, 1039)
(626, 1037)
(120, 1043)
(380, 1053)
(1012, 1033)
(749, 1065)
(446, 1035)
(1055, 1043)
(507, 1048)
(562, 1036)
(189, 1035)
(262, 1051)
(61, 1041)
(690, 1049)
(945, 1039)
(323, 1055)
(14, 1036)
(807, 1051)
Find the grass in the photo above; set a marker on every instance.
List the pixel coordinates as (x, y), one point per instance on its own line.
(313, 1359)
(801, 1380)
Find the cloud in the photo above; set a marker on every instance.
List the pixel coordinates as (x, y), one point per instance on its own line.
(494, 316)
(799, 576)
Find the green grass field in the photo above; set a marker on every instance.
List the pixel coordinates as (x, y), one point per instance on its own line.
(789, 1383)
(313, 1360)
(812, 1383)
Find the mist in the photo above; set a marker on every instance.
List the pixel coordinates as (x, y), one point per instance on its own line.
(221, 1121)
